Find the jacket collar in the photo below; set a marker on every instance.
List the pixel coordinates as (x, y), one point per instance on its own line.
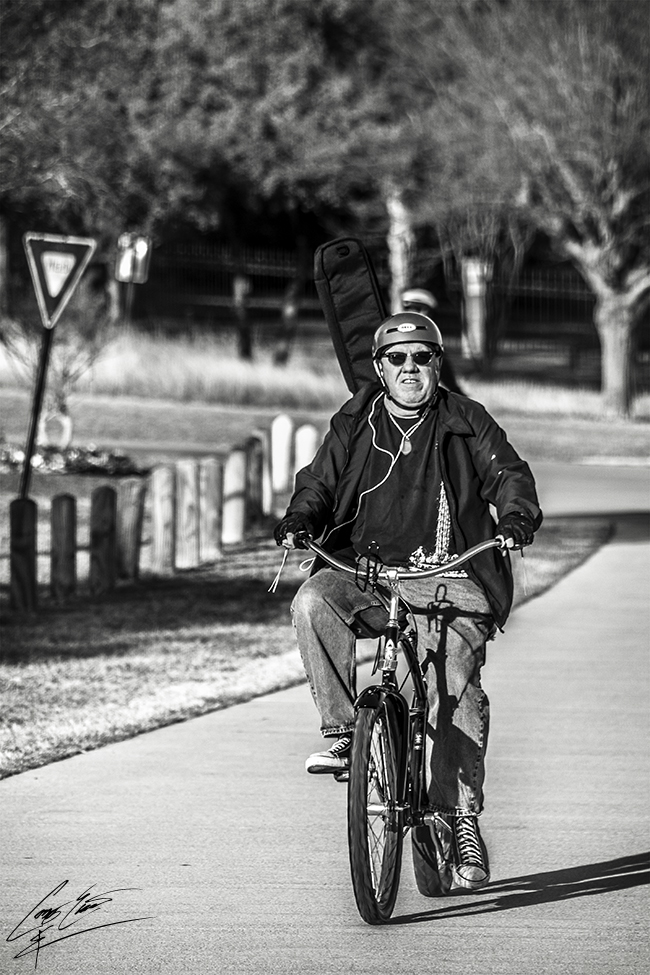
(450, 413)
(361, 399)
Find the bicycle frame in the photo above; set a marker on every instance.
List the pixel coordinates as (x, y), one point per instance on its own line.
(411, 798)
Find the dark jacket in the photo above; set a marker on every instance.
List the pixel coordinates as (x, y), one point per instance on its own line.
(479, 468)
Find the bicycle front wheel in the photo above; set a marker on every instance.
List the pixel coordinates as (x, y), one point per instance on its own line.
(375, 833)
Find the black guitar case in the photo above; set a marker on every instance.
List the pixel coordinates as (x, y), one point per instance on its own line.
(352, 303)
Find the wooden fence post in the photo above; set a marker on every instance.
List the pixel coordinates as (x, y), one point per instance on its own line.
(234, 497)
(162, 483)
(281, 435)
(63, 547)
(210, 505)
(306, 445)
(264, 436)
(130, 516)
(23, 519)
(187, 514)
(254, 476)
(103, 539)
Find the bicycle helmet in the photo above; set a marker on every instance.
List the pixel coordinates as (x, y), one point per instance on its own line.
(406, 326)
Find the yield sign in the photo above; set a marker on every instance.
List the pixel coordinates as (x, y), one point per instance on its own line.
(56, 265)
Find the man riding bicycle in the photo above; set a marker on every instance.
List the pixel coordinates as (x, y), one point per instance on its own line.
(406, 476)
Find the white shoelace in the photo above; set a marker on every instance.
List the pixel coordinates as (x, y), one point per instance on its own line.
(469, 846)
(341, 745)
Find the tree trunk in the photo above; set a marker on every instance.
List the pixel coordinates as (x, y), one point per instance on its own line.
(615, 315)
(291, 306)
(475, 275)
(113, 311)
(614, 321)
(4, 267)
(400, 246)
(241, 289)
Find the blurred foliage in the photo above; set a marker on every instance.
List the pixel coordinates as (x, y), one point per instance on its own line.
(88, 459)
(489, 118)
(118, 114)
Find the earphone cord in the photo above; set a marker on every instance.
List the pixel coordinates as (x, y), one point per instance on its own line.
(393, 461)
(406, 435)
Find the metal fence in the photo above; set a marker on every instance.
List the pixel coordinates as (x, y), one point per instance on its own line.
(202, 276)
(198, 279)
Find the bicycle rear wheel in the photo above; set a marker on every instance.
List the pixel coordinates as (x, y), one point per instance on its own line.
(375, 833)
(431, 860)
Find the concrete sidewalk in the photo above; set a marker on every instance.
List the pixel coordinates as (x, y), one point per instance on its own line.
(240, 859)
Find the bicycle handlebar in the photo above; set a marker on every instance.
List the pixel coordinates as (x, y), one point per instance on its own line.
(388, 574)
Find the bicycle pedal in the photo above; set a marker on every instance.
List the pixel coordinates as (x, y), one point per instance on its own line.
(342, 776)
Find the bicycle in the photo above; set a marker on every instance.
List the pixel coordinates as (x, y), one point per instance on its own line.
(387, 778)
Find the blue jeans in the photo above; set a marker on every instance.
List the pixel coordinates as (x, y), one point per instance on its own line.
(453, 622)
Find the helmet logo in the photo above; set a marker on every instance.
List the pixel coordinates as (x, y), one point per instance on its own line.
(406, 327)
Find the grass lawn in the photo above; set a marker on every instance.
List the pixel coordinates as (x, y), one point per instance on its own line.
(99, 670)
(132, 423)
(79, 676)
(192, 390)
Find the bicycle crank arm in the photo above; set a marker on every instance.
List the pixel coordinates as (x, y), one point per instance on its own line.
(436, 819)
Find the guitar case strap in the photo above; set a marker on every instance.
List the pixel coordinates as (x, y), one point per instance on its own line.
(352, 303)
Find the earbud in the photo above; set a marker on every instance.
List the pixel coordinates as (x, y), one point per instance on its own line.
(379, 370)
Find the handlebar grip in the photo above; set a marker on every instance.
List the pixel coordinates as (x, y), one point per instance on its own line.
(302, 538)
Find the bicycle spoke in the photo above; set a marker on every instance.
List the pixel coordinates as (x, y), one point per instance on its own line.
(374, 817)
(381, 808)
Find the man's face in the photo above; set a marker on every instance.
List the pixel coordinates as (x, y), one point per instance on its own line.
(410, 384)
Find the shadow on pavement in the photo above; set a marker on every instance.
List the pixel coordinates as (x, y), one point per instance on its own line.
(631, 526)
(627, 526)
(542, 888)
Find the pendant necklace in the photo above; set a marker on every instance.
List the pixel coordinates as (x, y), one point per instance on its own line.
(406, 446)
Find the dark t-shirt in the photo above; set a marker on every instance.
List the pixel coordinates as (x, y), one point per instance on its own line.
(399, 492)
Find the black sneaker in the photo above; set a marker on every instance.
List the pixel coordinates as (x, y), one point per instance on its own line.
(336, 759)
(471, 868)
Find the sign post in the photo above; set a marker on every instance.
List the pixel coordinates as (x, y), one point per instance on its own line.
(56, 264)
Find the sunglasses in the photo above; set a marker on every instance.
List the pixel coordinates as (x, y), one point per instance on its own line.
(419, 358)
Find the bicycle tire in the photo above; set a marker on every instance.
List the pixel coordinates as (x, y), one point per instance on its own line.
(375, 821)
(430, 865)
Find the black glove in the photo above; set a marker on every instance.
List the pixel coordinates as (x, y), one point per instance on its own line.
(518, 526)
(297, 525)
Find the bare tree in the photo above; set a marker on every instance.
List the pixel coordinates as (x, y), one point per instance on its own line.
(551, 100)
